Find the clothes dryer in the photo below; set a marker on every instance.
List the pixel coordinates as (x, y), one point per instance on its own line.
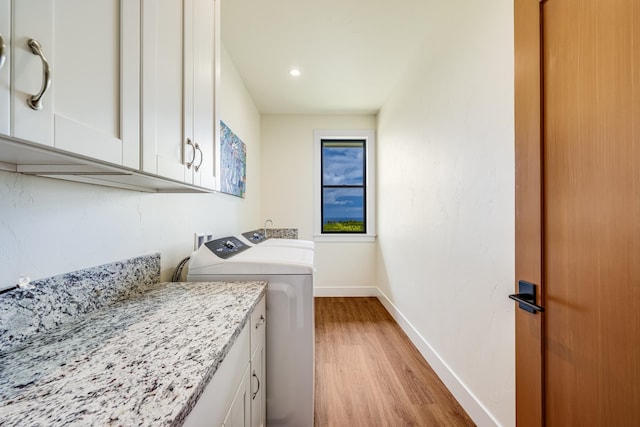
(290, 317)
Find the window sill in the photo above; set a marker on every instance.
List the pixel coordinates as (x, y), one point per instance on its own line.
(362, 238)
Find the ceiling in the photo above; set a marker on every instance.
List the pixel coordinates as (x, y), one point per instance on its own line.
(351, 52)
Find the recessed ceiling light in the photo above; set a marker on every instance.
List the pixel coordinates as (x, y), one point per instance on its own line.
(294, 72)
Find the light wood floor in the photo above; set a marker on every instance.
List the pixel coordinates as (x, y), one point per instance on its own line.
(369, 374)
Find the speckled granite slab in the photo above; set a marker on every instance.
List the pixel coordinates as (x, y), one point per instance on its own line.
(143, 361)
(282, 233)
(277, 233)
(61, 299)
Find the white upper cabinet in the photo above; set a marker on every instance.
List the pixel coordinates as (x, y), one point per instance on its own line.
(76, 77)
(5, 64)
(111, 92)
(206, 54)
(178, 89)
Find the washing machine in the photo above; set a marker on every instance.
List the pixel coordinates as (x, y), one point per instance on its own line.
(290, 317)
(257, 237)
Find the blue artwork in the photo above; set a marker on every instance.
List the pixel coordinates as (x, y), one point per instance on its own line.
(233, 162)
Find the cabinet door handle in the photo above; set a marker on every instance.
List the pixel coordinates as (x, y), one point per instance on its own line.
(3, 55)
(35, 101)
(253, 395)
(261, 322)
(201, 158)
(193, 159)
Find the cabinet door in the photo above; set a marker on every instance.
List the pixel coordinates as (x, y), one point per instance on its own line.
(239, 414)
(164, 116)
(91, 50)
(213, 405)
(5, 65)
(32, 19)
(204, 78)
(259, 386)
(178, 90)
(258, 364)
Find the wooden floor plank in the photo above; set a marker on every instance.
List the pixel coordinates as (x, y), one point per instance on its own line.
(368, 373)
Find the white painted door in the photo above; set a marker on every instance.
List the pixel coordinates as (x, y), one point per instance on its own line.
(204, 36)
(178, 90)
(258, 386)
(32, 20)
(239, 414)
(167, 142)
(91, 51)
(5, 65)
(258, 365)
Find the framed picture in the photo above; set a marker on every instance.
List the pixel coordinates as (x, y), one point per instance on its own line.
(233, 162)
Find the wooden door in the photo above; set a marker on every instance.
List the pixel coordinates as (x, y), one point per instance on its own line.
(528, 152)
(588, 211)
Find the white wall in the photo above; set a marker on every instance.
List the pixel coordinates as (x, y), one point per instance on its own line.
(287, 193)
(240, 114)
(50, 227)
(446, 201)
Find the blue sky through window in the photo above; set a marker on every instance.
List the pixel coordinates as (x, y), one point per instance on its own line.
(343, 164)
(343, 204)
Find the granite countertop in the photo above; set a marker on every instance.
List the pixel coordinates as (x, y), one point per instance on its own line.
(143, 361)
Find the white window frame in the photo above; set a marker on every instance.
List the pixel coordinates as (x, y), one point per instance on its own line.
(368, 135)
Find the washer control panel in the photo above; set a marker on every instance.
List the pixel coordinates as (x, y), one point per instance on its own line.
(254, 236)
(226, 247)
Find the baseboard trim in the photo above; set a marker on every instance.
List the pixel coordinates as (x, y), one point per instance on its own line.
(476, 410)
(345, 291)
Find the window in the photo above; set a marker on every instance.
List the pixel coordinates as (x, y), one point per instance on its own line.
(343, 192)
(344, 185)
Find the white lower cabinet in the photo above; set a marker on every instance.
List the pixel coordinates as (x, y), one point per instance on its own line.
(258, 387)
(239, 414)
(258, 366)
(236, 395)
